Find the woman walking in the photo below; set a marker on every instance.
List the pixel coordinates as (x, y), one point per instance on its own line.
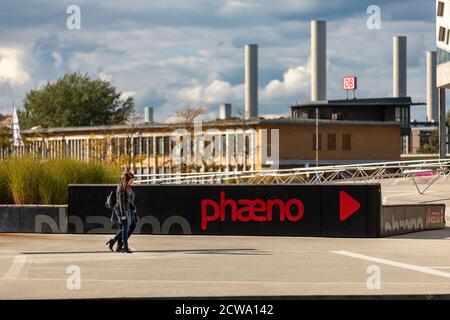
(124, 213)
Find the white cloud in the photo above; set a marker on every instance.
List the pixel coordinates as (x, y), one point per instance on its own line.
(295, 83)
(177, 53)
(58, 59)
(11, 68)
(127, 94)
(215, 92)
(105, 76)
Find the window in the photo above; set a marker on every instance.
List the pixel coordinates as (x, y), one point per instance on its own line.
(442, 32)
(332, 142)
(440, 9)
(347, 142)
(314, 142)
(448, 36)
(136, 146)
(166, 150)
(144, 142)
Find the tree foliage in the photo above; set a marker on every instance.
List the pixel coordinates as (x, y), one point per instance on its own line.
(433, 144)
(188, 114)
(75, 100)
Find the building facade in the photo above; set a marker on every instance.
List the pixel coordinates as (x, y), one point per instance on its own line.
(231, 145)
(375, 110)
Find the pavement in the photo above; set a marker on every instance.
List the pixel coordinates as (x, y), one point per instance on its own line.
(40, 266)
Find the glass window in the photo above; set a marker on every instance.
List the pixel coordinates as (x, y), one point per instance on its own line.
(442, 56)
(397, 114)
(440, 9)
(442, 32)
(166, 146)
(144, 142)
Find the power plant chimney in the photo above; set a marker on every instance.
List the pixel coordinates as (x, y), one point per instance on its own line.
(318, 60)
(225, 111)
(251, 81)
(399, 67)
(432, 90)
(148, 115)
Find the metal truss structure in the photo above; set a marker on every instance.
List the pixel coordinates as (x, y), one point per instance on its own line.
(419, 170)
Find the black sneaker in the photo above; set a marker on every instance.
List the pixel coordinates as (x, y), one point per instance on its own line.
(126, 250)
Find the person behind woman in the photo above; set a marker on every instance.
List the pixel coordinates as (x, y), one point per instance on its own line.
(124, 212)
(132, 223)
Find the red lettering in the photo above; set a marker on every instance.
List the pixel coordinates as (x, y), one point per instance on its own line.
(205, 217)
(224, 203)
(300, 208)
(270, 204)
(249, 210)
(259, 206)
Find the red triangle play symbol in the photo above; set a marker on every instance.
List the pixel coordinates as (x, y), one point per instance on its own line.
(348, 206)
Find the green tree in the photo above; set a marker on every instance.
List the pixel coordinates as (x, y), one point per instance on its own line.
(75, 100)
(433, 145)
(5, 132)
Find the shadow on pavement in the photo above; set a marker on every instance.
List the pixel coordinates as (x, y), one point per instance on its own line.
(423, 235)
(188, 251)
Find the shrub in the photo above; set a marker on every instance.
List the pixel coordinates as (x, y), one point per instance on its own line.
(38, 181)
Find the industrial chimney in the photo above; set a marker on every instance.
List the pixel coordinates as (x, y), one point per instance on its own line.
(318, 60)
(432, 90)
(399, 67)
(225, 111)
(148, 115)
(251, 81)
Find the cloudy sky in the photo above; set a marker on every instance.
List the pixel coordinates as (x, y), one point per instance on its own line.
(174, 53)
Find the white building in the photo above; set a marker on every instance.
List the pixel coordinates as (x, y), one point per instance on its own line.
(443, 65)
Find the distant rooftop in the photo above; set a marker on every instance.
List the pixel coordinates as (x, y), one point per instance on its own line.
(218, 124)
(360, 102)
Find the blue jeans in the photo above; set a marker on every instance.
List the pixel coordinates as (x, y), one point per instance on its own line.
(126, 227)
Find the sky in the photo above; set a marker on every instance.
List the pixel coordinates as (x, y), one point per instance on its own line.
(169, 54)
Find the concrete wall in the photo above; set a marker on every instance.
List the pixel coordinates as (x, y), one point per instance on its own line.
(443, 75)
(400, 219)
(33, 218)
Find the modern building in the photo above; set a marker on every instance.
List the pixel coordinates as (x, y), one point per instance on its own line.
(443, 66)
(241, 145)
(372, 110)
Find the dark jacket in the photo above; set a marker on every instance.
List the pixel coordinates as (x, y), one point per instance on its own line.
(125, 201)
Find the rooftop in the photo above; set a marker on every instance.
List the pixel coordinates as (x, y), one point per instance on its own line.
(217, 124)
(406, 101)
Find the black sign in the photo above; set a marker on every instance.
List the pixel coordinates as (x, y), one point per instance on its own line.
(277, 210)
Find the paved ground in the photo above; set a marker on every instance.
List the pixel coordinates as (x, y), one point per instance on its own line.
(41, 266)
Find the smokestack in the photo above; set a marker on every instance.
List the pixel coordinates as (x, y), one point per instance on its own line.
(399, 67)
(148, 115)
(318, 60)
(432, 90)
(251, 81)
(225, 111)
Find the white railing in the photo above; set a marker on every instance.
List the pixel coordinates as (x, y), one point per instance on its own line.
(366, 172)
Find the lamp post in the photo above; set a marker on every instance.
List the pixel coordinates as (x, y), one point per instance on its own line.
(317, 137)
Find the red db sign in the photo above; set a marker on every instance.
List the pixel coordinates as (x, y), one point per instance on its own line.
(350, 83)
